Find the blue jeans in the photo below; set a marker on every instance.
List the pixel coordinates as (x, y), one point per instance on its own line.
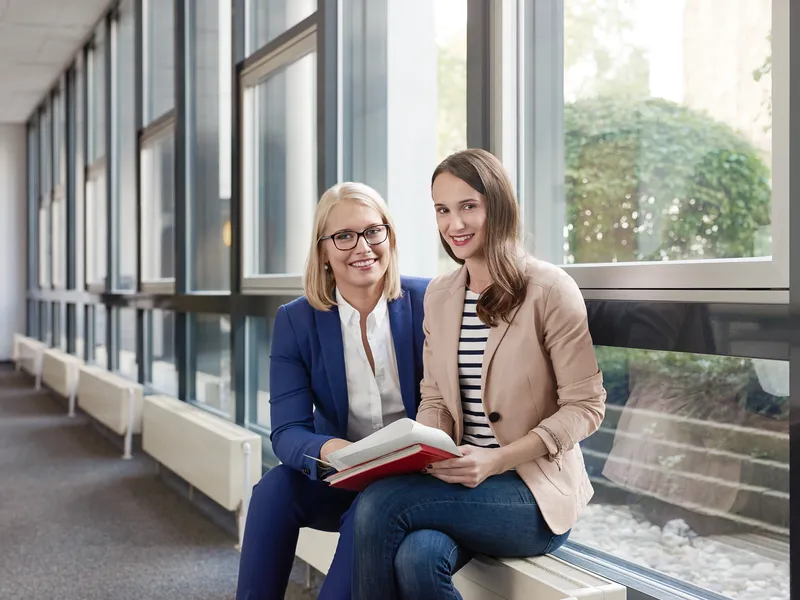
(413, 532)
(284, 501)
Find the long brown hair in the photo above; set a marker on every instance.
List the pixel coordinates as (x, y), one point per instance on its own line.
(484, 173)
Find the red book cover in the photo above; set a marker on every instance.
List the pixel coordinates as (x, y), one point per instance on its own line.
(408, 460)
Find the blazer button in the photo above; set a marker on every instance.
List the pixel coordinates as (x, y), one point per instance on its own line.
(494, 417)
(306, 471)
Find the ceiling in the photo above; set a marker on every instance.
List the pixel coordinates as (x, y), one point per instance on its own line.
(38, 39)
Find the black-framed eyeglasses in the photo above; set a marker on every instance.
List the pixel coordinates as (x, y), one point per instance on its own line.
(347, 240)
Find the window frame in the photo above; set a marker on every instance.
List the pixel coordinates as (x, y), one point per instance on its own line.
(44, 242)
(540, 170)
(159, 130)
(149, 117)
(122, 160)
(94, 175)
(283, 51)
(97, 66)
(44, 213)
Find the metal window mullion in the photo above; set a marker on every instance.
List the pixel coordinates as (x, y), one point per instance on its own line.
(110, 155)
(794, 288)
(138, 87)
(479, 82)
(84, 133)
(328, 76)
(70, 160)
(183, 80)
(781, 100)
(238, 320)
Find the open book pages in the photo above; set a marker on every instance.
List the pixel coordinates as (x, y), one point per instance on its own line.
(396, 436)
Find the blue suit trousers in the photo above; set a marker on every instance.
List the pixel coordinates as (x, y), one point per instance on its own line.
(282, 502)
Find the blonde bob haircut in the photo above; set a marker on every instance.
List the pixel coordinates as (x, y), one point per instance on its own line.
(319, 284)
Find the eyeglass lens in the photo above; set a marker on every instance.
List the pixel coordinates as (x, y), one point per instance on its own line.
(347, 240)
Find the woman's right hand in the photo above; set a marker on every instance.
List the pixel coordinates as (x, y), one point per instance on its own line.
(332, 446)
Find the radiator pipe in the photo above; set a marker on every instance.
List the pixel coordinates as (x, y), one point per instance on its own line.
(247, 451)
(73, 392)
(39, 362)
(129, 431)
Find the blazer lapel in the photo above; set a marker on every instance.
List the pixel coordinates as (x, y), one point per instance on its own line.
(329, 328)
(402, 334)
(496, 335)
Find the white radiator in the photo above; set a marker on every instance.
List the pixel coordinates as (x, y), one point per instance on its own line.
(217, 457)
(542, 577)
(60, 372)
(113, 400)
(27, 354)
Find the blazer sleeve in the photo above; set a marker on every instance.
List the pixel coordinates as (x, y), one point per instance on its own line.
(432, 409)
(581, 396)
(292, 401)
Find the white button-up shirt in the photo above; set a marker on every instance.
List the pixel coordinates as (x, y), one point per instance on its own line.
(375, 399)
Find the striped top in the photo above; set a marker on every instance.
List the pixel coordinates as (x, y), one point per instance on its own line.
(474, 334)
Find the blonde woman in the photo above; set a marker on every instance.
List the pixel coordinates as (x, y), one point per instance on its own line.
(346, 360)
(511, 375)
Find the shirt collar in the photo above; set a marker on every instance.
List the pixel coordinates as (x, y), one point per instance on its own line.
(349, 315)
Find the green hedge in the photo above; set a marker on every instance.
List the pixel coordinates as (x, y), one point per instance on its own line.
(705, 187)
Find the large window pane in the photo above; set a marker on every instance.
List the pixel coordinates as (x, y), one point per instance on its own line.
(76, 192)
(33, 319)
(45, 323)
(45, 151)
(125, 139)
(158, 208)
(404, 102)
(162, 374)
(59, 138)
(96, 208)
(127, 363)
(45, 240)
(99, 351)
(33, 209)
(81, 333)
(280, 146)
(211, 360)
(667, 130)
(691, 470)
(96, 61)
(59, 250)
(61, 327)
(209, 143)
(159, 58)
(259, 342)
(267, 19)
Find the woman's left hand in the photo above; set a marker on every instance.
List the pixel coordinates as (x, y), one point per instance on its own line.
(471, 469)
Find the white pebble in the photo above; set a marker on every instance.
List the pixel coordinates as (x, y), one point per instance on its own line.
(678, 552)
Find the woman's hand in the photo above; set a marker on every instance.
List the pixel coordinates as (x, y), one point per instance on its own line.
(471, 469)
(332, 446)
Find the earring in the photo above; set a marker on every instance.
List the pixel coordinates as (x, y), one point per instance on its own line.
(327, 267)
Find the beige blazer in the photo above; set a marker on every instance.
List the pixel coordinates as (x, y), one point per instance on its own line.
(539, 377)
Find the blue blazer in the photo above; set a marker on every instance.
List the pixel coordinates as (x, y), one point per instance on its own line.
(308, 381)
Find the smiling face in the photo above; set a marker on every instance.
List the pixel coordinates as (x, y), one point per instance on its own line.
(461, 216)
(365, 265)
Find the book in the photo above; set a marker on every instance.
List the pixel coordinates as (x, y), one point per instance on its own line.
(404, 446)
(407, 460)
